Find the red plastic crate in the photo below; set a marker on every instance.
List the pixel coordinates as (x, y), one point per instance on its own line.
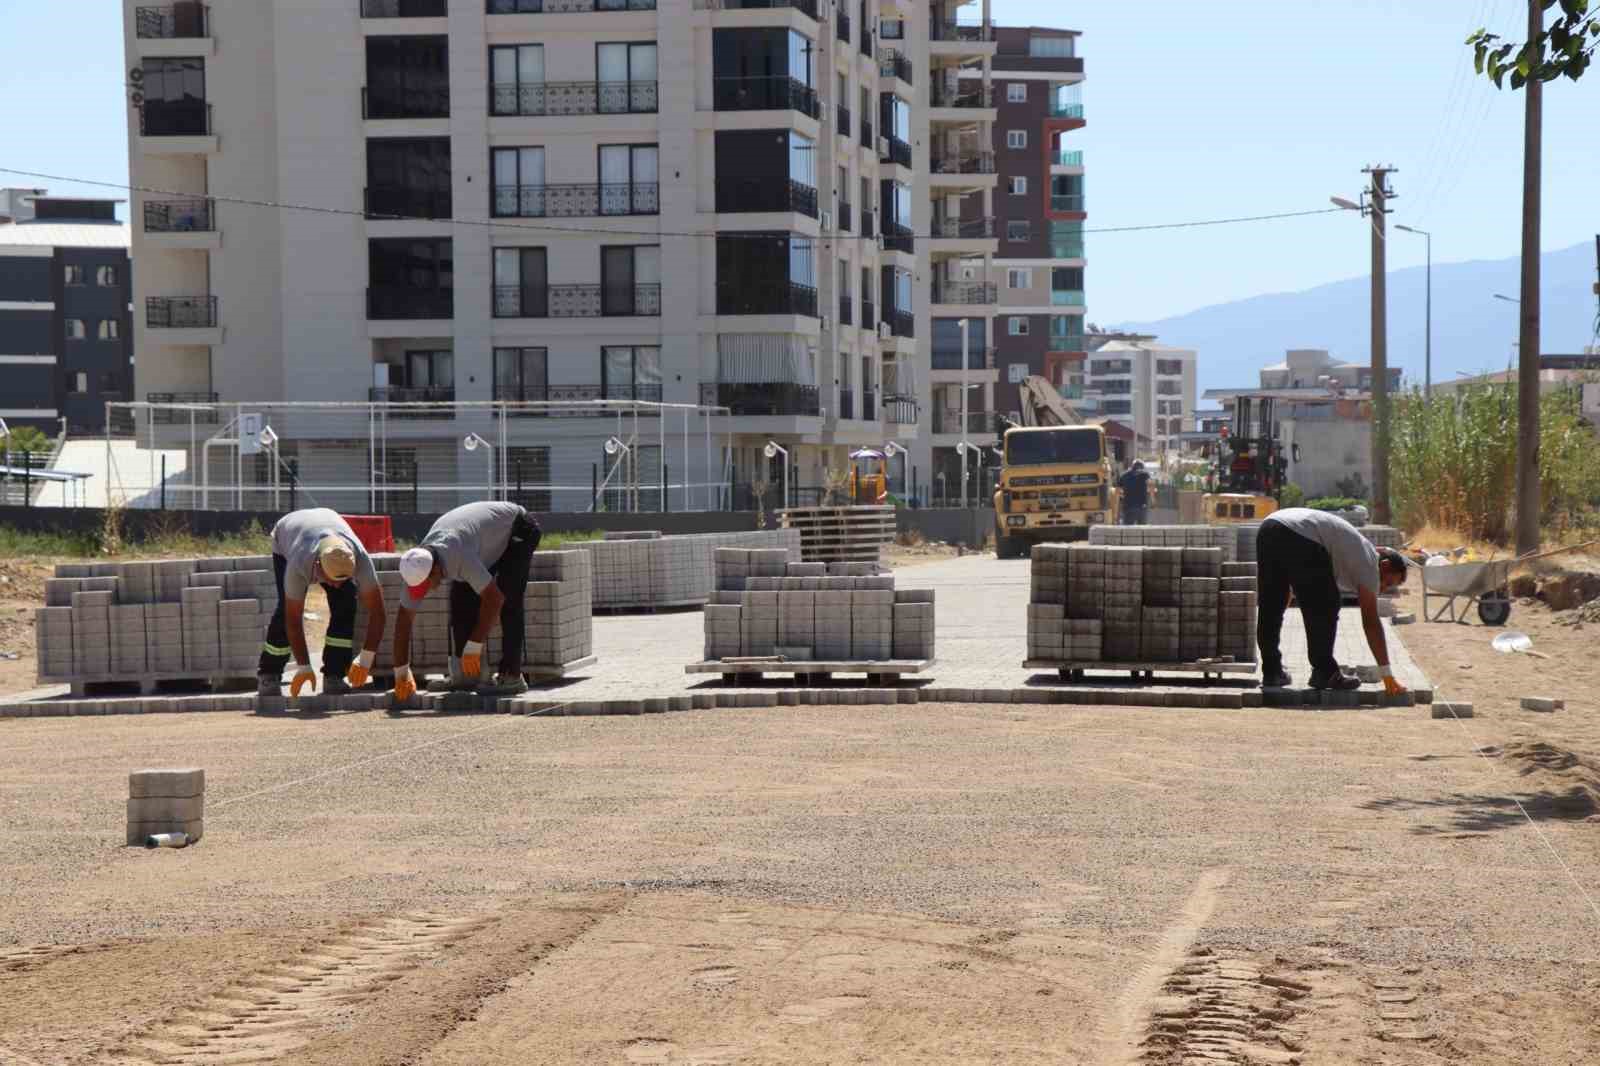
(375, 530)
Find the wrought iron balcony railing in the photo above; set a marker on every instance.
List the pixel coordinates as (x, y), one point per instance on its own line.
(404, 9)
(172, 21)
(559, 98)
(175, 118)
(762, 399)
(563, 7)
(180, 312)
(764, 93)
(196, 215)
(576, 301)
(746, 195)
(586, 200)
(743, 297)
(964, 228)
(893, 63)
(965, 292)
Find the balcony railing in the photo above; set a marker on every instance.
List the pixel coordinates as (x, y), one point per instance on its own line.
(419, 102)
(175, 118)
(866, 132)
(762, 399)
(562, 7)
(893, 63)
(1066, 110)
(398, 202)
(898, 238)
(201, 415)
(180, 216)
(841, 120)
(841, 27)
(764, 93)
(964, 228)
(869, 223)
(404, 9)
(577, 301)
(963, 163)
(746, 195)
(172, 22)
(899, 151)
(573, 98)
(441, 394)
(742, 297)
(806, 7)
(965, 292)
(407, 301)
(180, 312)
(977, 359)
(949, 421)
(1067, 297)
(869, 405)
(1066, 201)
(576, 201)
(1064, 158)
(941, 30)
(901, 323)
(899, 410)
(961, 96)
(565, 394)
(846, 220)
(846, 309)
(869, 315)
(1066, 249)
(847, 404)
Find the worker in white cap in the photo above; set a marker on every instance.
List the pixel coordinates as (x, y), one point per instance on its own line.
(483, 550)
(318, 545)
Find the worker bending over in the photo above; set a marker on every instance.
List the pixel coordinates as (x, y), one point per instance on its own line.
(1309, 553)
(1135, 486)
(483, 550)
(318, 545)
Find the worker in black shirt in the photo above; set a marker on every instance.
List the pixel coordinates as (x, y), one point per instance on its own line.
(1135, 486)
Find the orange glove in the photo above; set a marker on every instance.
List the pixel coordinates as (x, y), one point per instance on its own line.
(303, 676)
(405, 686)
(361, 669)
(472, 659)
(1390, 685)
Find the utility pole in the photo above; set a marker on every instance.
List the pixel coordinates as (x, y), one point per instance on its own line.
(1528, 356)
(1380, 194)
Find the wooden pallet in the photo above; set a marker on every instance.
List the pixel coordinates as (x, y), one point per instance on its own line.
(841, 534)
(809, 672)
(1073, 670)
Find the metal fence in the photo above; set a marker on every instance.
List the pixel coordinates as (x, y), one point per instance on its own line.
(384, 457)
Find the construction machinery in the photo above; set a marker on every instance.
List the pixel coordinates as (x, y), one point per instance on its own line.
(1055, 476)
(869, 477)
(1250, 465)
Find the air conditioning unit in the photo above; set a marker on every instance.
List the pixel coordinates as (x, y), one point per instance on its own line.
(827, 221)
(883, 148)
(884, 332)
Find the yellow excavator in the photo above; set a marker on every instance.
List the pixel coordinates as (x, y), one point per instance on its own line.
(869, 477)
(1055, 475)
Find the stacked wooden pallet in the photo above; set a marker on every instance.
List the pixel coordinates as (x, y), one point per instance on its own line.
(841, 534)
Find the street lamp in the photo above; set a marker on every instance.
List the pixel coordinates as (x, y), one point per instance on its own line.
(1348, 205)
(963, 449)
(472, 442)
(1507, 299)
(615, 447)
(966, 360)
(772, 451)
(1427, 379)
(890, 450)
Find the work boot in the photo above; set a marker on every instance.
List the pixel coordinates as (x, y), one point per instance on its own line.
(269, 685)
(334, 685)
(1277, 679)
(506, 685)
(1338, 682)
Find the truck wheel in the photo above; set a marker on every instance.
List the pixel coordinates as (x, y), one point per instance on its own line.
(1006, 546)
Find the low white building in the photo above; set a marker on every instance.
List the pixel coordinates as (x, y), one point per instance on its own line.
(1146, 386)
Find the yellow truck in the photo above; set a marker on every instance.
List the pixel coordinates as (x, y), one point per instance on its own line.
(1055, 483)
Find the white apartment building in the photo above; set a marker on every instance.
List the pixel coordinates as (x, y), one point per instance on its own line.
(1146, 386)
(699, 202)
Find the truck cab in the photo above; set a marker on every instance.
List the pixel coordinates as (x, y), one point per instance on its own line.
(1055, 483)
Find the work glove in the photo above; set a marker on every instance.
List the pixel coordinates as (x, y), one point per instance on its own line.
(472, 659)
(1390, 685)
(405, 686)
(361, 669)
(303, 676)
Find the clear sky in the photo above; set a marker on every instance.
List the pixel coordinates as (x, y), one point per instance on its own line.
(1195, 110)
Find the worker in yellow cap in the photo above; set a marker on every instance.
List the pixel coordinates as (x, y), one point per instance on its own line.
(318, 545)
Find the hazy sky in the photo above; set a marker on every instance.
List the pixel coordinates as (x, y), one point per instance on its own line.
(1195, 110)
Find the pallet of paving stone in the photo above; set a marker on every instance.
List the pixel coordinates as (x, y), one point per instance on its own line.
(152, 684)
(1074, 669)
(810, 671)
(841, 534)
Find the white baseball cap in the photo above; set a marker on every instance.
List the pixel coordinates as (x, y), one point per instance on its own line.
(415, 566)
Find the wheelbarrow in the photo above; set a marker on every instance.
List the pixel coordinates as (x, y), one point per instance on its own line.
(1484, 585)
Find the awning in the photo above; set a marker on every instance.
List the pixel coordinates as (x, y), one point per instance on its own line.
(765, 359)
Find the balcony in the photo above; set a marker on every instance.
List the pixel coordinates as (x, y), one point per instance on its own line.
(1028, 62)
(172, 22)
(564, 7)
(978, 423)
(869, 405)
(399, 202)
(393, 302)
(964, 229)
(747, 195)
(180, 216)
(441, 394)
(961, 96)
(585, 200)
(574, 394)
(762, 399)
(846, 309)
(966, 293)
(864, 41)
(899, 152)
(901, 323)
(180, 312)
(805, 7)
(841, 120)
(869, 315)
(963, 163)
(764, 93)
(939, 30)
(1064, 158)
(1067, 202)
(846, 215)
(1066, 249)
(900, 410)
(1066, 110)
(177, 118)
(577, 301)
(559, 98)
(202, 414)
(841, 26)
(847, 405)
(869, 222)
(977, 359)
(741, 297)
(404, 9)
(1067, 297)
(390, 102)
(898, 238)
(894, 64)
(866, 132)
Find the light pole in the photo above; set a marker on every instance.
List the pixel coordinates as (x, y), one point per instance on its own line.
(1374, 207)
(614, 446)
(1427, 373)
(964, 448)
(472, 442)
(890, 450)
(772, 451)
(966, 359)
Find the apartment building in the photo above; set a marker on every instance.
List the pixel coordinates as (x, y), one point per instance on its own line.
(718, 202)
(66, 345)
(1146, 386)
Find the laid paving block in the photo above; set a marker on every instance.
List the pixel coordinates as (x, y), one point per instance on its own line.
(1444, 709)
(1542, 703)
(180, 783)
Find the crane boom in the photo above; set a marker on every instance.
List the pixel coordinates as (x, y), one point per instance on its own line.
(1042, 405)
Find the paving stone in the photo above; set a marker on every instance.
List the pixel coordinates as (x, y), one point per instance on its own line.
(180, 783)
(1542, 703)
(1445, 709)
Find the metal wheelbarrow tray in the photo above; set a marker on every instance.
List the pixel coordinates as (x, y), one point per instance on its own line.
(1483, 585)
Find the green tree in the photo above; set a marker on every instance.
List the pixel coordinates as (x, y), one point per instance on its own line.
(26, 439)
(1564, 49)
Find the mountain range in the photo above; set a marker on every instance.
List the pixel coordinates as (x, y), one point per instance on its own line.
(1472, 331)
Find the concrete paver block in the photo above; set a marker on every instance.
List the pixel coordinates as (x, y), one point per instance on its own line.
(166, 809)
(166, 783)
(1445, 709)
(1542, 703)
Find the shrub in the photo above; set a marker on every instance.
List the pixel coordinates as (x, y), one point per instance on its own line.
(1334, 503)
(1292, 496)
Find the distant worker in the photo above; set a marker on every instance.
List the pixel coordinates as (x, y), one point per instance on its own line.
(1135, 486)
(1310, 553)
(484, 551)
(318, 545)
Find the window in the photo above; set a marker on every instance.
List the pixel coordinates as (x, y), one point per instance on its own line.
(1117, 407)
(627, 77)
(408, 177)
(1018, 230)
(174, 97)
(517, 74)
(1019, 185)
(630, 373)
(1169, 388)
(75, 329)
(110, 330)
(1019, 278)
(521, 374)
(408, 77)
(629, 176)
(630, 280)
(1017, 92)
(105, 276)
(430, 370)
(1051, 47)
(74, 275)
(844, 279)
(411, 278)
(1169, 367)
(521, 283)
(77, 383)
(1018, 325)
(1016, 139)
(518, 182)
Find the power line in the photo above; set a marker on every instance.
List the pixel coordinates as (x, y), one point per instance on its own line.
(499, 223)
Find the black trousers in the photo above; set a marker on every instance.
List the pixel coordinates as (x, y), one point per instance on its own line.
(337, 649)
(510, 573)
(1133, 514)
(1285, 560)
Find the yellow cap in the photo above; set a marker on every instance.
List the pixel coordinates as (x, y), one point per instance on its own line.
(338, 562)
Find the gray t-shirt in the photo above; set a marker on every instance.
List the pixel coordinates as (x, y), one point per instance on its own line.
(1355, 560)
(470, 539)
(296, 536)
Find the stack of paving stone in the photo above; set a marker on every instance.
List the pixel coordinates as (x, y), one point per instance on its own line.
(647, 570)
(148, 622)
(1116, 604)
(1222, 537)
(767, 604)
(166, 801)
